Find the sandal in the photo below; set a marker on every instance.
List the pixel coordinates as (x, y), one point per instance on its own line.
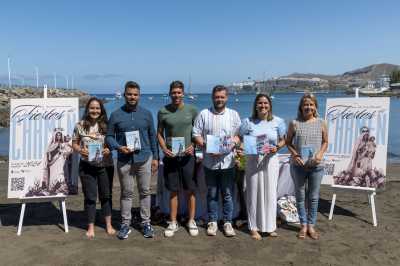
(255, 235)
(314, 234)
(302, 234)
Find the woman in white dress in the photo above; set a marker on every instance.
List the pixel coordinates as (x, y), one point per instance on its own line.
(55, 164)
(262, 170)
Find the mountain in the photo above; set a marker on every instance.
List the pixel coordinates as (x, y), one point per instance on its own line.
(357, 77)
(371, 72)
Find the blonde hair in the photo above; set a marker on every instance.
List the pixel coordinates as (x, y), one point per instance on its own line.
(307, 96)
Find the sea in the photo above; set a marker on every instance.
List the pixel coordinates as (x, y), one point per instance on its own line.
(284, 105)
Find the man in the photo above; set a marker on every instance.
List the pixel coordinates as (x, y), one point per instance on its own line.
(175, 120)
(218, 121)
(131, 132)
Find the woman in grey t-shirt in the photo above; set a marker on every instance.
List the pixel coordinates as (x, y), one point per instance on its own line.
(307, 141)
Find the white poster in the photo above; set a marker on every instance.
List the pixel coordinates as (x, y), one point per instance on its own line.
(41, 161)
(358, 137)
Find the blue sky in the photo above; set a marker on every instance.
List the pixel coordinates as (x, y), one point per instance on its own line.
(104, 43)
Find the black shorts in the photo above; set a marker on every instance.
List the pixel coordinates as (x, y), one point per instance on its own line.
(180, 173)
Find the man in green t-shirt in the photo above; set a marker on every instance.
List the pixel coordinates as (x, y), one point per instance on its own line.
(174, 133)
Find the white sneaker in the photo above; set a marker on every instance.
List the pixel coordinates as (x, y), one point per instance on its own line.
(192, 227)
(228, 230)
(171, 229)
(212, 228)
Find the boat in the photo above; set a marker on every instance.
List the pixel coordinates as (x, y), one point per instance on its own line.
(189, 95)
(118, 94)
(376, 87)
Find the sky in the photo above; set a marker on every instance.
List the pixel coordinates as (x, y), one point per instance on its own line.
(102, 44)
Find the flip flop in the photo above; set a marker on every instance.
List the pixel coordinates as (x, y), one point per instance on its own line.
(314, 235)
(302, 234)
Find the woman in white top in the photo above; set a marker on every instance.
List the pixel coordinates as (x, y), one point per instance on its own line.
(262, 169)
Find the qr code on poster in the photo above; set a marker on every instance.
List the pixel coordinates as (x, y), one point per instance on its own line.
(17, 183)
(329, 168)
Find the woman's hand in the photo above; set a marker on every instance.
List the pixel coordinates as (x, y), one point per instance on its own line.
(106, 151)
(273, 149)
(297, 159)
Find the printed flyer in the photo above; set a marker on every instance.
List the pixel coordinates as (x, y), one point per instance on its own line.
(358, 138)
(41, 160)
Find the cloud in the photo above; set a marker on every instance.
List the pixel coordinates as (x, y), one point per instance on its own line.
(101, 76)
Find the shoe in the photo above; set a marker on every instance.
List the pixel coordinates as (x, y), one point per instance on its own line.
(212, 228)
(123, 232)
(171, 229)
(228, 230)
(148, 231)
(192, 227)
(273, 234)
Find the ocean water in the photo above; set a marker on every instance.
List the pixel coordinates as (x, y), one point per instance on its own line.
(284, 105)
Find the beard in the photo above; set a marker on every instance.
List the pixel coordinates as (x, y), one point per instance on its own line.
(219, 105)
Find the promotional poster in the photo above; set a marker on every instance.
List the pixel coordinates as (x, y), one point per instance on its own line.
(41, 159)
(358, 138)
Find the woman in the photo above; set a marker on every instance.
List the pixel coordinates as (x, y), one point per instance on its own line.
(55, 164)
(97, 175)
(262, 170)
(307, 132)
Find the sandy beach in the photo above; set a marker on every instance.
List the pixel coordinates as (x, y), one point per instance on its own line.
(350, 239)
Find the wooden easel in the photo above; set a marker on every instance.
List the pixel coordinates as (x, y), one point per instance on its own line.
(60, 199)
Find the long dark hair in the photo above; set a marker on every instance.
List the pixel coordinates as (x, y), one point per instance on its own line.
(254, 115)
(101, 120)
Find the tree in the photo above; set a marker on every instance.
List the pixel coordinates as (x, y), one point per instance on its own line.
(395, 76)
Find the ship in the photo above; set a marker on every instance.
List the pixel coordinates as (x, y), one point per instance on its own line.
(376, 87)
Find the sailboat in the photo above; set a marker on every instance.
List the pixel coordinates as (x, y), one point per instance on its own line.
(189, 95)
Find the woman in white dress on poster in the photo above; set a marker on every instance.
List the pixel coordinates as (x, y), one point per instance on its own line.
(55, 164)
(262, 171)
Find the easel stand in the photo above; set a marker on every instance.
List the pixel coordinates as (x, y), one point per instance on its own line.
(371, 199)
(61, 201)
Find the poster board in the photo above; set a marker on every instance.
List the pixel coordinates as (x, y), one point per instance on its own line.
(358, 138)
(41, 161)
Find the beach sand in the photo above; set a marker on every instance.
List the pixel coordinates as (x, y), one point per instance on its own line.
(349, 239)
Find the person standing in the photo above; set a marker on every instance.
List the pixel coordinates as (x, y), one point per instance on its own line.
(307, 134)
(96, 175)
(175, 120)
(262, 170)
(131, 132)
(219, 169)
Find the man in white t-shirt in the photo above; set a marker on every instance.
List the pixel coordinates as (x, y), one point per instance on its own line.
(219, 169)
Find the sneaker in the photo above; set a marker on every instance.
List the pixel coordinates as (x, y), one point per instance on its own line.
(212, 228)
(123, 232)
(148, 231)
(192, 227)
(171, 229)
(228, 230)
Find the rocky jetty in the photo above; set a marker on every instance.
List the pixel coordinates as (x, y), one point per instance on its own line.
(29, 92)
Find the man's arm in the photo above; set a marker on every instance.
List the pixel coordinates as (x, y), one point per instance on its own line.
(110, 136)
(161, 138)
(198, 128)
(152, 137)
